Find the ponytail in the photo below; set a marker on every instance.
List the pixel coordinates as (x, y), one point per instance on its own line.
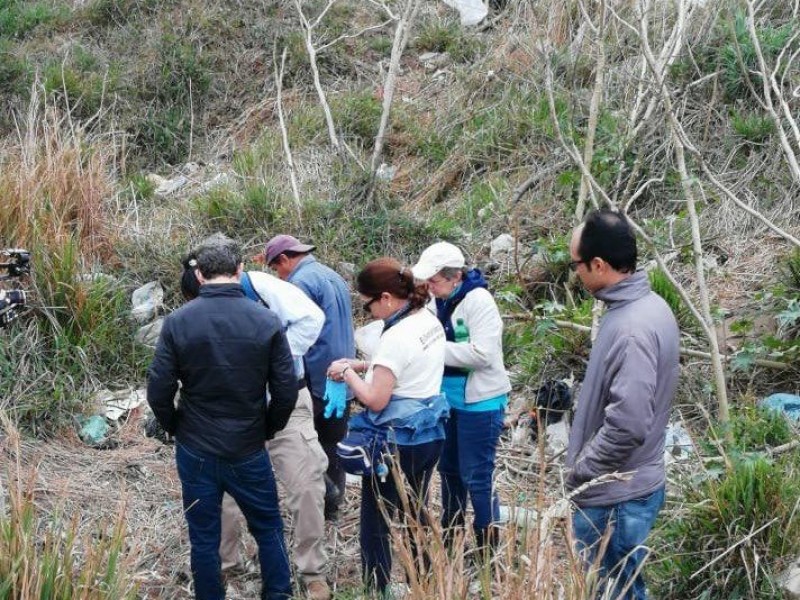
(388, 275)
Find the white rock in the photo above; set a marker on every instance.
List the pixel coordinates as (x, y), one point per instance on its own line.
(191, 167)
(147, 300)
(502, 246)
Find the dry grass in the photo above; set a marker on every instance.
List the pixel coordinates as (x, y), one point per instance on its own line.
(55, 183)
(135, 484)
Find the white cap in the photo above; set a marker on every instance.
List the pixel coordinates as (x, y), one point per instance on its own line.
(437, 257)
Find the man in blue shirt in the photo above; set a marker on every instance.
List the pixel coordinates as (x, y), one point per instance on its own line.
(293, 262)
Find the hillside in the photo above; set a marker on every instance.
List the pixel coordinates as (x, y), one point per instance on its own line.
(131, 129)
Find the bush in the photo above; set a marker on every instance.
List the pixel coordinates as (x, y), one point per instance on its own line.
(18, 18)
(54, 206)
(450, 37)
(357, 116)
(662, 286)
(752, 506)
(753, 127)
(739, 54)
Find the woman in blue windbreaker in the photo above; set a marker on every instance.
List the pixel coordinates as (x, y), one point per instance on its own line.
(476, 386)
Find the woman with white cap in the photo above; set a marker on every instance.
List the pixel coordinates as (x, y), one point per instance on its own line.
(476, 385)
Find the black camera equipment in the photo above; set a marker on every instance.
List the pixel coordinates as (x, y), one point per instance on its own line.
(18, 265)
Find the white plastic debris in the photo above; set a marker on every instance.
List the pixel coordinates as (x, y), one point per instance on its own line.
(524, 517)
(386, 172)
(219, 180)
(147, 300)
(123, 402)
(678, 445)
(502, 246)
(148, 334)
(367, 338)
(472, 11)
(557, 436)
(169, 186)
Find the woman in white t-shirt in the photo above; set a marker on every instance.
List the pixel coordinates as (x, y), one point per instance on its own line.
(401, 391)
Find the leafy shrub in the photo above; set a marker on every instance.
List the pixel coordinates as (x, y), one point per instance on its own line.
(755, 429)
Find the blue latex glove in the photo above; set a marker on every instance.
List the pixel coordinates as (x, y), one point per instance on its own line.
(335, 398)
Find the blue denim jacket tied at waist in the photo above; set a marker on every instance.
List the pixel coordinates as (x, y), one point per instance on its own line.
(410, 421)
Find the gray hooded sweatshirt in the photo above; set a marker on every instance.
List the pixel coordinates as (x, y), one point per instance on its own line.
(626, 396)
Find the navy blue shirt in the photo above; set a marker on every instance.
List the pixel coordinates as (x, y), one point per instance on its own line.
(330, 292)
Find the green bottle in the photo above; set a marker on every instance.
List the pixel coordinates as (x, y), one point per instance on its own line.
(460, 331)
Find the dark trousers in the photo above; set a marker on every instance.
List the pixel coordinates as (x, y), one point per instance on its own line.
(417, 464)
(467, 468)
(331, 432)
(250, 481)
(631, 521)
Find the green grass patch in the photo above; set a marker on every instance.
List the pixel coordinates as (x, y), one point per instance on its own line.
(18, 18)
(450, 37)
(753, 127)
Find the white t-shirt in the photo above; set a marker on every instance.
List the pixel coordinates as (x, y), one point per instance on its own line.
(413, 350)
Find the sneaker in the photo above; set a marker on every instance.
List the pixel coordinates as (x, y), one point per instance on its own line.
(318, 590)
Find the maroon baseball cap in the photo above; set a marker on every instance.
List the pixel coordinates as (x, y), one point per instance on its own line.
(284, 243)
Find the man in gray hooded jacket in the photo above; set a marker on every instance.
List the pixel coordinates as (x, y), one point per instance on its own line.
(624, 403)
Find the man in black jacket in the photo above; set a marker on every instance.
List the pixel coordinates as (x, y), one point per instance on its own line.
(225, 351)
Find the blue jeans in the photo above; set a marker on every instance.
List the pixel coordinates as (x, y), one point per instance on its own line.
(625, 554)
(417, 464)
(251, 482)
(467, 467)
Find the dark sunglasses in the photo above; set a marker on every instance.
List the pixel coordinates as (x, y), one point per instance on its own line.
(367, 304)
(573, 264)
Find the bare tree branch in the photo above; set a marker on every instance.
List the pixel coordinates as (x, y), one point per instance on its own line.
(284, 133)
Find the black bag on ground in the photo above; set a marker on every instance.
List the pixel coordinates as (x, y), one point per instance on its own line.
(553, 401)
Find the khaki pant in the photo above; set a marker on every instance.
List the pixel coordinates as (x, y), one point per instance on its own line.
(299, 464)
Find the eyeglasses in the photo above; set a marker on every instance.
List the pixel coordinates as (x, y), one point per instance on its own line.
(367, 304)
(573, 264)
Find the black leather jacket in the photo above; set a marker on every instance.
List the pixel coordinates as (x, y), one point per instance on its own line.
(226, 351)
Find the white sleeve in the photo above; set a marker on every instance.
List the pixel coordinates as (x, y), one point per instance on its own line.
(300, 317)
(485, 325)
